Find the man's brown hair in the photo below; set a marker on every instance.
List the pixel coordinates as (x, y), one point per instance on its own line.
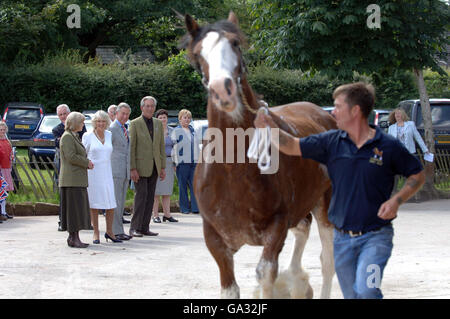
(359, 93)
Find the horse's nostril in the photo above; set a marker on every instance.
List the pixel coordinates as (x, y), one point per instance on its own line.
(228, 85)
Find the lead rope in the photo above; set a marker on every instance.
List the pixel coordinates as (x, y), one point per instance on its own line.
(259, 146)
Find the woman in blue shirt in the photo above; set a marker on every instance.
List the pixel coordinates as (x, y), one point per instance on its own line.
(185, 155)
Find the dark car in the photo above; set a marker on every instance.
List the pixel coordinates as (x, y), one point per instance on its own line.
(22, 119)
(44, 133)
(440, 119)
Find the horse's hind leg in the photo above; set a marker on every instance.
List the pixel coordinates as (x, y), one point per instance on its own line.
(301, 287)
(326, 238)
(224, 259)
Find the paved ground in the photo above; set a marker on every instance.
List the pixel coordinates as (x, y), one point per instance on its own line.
(35, 261)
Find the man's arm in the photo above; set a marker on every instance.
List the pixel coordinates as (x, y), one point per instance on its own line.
(286, 143)
(413, 183)
(57, 132)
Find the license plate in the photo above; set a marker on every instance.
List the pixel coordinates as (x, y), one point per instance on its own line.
(22, 126)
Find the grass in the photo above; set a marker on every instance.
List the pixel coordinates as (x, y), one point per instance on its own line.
(25, 194)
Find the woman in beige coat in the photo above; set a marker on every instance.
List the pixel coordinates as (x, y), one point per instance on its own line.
(73, 181)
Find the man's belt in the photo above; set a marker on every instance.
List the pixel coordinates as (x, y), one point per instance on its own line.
(354, 233)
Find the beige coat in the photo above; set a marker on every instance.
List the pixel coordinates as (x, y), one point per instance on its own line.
(74, 162)
(144, 152)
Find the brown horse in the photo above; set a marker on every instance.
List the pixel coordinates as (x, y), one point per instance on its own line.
(238, 204)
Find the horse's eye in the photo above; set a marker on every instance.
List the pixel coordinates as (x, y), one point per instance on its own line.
(235, 43)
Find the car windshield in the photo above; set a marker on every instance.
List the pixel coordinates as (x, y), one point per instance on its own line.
(24, 114)
(440, 115)
(48, 123)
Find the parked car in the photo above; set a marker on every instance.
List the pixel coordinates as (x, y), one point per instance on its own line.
(44, 133)
(88, 122)
(377, 117)
(380, 118)
(200, 126)
(172, 119)
(440, 119)
(329, 109)
(23, 119)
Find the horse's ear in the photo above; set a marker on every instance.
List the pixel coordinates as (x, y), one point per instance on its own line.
(191, 25)
(232, 18)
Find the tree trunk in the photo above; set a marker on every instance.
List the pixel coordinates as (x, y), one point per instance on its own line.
(428, 190)
(93, 42)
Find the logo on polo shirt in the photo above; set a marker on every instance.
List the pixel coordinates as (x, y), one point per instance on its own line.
(377, 158)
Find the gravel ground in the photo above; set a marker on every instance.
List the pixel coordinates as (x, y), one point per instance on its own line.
(35, 261)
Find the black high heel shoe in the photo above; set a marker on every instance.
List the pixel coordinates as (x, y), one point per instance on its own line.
(113, 240)
(170, 219)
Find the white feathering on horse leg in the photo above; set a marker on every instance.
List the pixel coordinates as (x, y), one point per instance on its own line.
(289, 286)
(264, 273)
(231, 292)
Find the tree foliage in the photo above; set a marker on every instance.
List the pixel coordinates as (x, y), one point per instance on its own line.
(31, 29)
(333, 36)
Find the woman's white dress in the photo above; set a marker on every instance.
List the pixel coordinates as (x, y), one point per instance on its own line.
(101, 184)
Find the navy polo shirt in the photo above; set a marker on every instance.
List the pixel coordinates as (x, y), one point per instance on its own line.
(362, 179)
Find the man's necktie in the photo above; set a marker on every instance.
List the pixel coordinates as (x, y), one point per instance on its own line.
(125, 131)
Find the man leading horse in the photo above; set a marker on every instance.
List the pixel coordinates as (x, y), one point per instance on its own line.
(362, 162)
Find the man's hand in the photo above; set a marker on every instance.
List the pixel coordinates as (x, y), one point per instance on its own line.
(263, 120)
(162, 176)
(413, 183)
(134, 175)
(90, 165)
(388, 209)
(285, 142)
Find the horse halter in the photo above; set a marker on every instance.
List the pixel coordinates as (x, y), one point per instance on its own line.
(242, 69)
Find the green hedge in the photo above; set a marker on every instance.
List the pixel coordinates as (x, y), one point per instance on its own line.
(94, 86)
(176, 85)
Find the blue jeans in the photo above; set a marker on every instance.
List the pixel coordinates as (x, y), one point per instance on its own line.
(360, 261)
(185, 176)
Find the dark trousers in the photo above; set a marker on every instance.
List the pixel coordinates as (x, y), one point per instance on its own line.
(143, 202)
(185, 176)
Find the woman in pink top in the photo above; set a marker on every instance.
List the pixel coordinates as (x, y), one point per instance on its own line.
(6, 156)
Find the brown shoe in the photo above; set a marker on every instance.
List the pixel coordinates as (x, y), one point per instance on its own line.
(135, 233)
(3, 218)
(149, 233)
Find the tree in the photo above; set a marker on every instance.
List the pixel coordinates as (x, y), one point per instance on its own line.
(340, 37)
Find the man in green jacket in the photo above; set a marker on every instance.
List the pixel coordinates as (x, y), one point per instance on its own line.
(147, 162)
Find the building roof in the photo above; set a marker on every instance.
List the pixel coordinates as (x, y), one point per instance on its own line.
(108, 54)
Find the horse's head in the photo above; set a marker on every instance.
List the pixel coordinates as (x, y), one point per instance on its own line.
(214, 50)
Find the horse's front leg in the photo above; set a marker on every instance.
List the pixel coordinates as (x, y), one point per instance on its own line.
(224, 259)
(267, 269)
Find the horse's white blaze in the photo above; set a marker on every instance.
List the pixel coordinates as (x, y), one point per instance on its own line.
(220, 56)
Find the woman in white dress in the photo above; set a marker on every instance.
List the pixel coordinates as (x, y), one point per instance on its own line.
(101, 186)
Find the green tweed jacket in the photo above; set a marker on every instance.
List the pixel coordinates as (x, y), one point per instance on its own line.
(145, 151)
(74, 162)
